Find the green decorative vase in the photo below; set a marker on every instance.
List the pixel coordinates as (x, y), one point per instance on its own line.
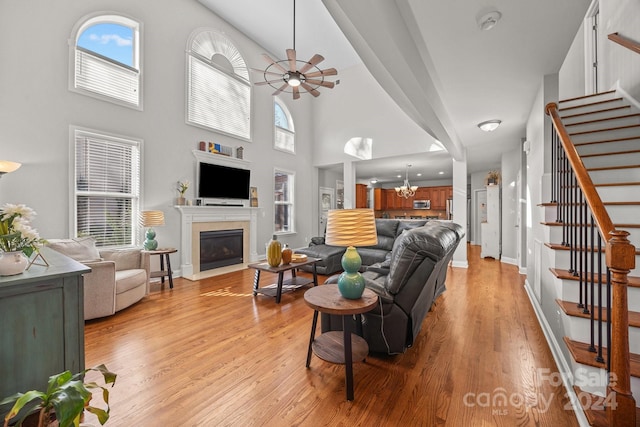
(151, 244)
(351, 282)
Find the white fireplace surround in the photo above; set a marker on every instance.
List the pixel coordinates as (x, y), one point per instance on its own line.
(195, 219)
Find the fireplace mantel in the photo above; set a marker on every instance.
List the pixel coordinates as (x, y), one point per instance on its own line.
(214, 214)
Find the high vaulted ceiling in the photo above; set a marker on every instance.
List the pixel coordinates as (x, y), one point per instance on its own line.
(431, 57)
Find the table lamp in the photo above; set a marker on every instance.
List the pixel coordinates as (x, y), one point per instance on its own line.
(151, 219)
(7, 166)
(351, 228)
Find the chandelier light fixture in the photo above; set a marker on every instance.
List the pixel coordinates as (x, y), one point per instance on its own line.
(406, 190)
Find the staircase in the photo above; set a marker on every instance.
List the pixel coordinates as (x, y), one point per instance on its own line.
(595, 190)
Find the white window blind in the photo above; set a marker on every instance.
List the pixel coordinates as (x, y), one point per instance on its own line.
(107, 188)
(283, 202)
(102, 76)
(218, 100)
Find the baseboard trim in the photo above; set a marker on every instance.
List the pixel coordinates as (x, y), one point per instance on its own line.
(507, 260)
(460, 264)
(522, 270)
(559, 358)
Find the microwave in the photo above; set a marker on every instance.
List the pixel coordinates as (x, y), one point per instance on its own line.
(422, 204)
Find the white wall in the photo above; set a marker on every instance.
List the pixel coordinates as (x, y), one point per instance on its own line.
(572, 72)
(510, 168)
(359, 107)
(620, 64)
(36, 109)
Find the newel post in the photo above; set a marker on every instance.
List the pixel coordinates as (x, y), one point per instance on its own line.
(620, 255)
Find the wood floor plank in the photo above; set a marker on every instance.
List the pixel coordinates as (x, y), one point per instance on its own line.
(209, 353)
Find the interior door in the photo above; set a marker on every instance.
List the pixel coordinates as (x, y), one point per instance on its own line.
(326, 201)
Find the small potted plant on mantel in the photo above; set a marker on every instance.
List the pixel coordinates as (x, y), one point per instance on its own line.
(63, 403)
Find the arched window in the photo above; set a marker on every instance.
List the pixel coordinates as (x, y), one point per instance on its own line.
(105, 58)
(218, 88)
(284, 136)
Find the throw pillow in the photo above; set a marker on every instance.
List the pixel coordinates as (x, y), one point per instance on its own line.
(82, 249)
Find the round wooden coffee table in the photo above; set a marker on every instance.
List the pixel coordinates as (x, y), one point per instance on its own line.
(339, 346)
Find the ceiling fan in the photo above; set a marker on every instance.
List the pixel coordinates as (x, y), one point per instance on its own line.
(285, 74)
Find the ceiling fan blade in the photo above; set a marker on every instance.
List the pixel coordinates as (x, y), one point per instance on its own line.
(291, 55)
(327, 72)
(267, 82)
(296, 93)
(280, 89)
(309, 89)
(270, 73)
(315, 60)
(322, 83)
(274, 63)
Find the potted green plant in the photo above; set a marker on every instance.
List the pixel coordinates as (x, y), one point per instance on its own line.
(67, 396)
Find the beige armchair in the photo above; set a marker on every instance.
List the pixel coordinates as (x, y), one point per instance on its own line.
(118, 277)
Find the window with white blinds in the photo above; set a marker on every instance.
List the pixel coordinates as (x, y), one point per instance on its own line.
(100, 75)
(284, 137)
(219, 91)
(106, 188)
(283, 201)
(106, 60)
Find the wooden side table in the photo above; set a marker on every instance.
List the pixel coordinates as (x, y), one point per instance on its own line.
(164, 255)
(288, 285)
(335, 346)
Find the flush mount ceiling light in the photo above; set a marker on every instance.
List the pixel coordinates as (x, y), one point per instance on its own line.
(489, 125)
(489, 20)
(285, 74)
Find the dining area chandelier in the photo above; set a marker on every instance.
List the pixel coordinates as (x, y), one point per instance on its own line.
(406, 190)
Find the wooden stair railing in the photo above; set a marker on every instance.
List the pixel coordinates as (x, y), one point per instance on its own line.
(623, 41)
(570, 174)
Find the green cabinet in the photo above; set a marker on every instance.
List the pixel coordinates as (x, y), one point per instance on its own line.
(41, 324)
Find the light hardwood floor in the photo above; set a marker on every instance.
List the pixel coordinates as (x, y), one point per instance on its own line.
(209, 353)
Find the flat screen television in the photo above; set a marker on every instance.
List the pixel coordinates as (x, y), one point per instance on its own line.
(222, 182)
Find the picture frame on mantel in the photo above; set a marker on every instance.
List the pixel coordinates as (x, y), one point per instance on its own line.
(253, 197)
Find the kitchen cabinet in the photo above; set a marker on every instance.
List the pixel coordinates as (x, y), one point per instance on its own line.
(378, 199)
(361, 196)
(390, 199)
(439, 198)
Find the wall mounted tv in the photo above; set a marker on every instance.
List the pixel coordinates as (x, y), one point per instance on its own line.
(222, 182)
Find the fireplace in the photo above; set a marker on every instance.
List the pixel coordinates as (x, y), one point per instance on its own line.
(220, 248)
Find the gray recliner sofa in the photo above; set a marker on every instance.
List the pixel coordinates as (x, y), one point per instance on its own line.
(407, 283)
(331, 256)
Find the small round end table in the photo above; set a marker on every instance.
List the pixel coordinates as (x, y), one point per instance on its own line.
(335, 346)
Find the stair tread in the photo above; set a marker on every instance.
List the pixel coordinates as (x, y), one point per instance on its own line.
(561, 247)
(591, 95)
(604, 110)
(617, 167)
(610, 153)
(625, 116)
(595, 412)
(572, 309)
(605, 141)
(581, 354)
(559, 224)
(589, 104)
(632, 281)
(604, 130)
